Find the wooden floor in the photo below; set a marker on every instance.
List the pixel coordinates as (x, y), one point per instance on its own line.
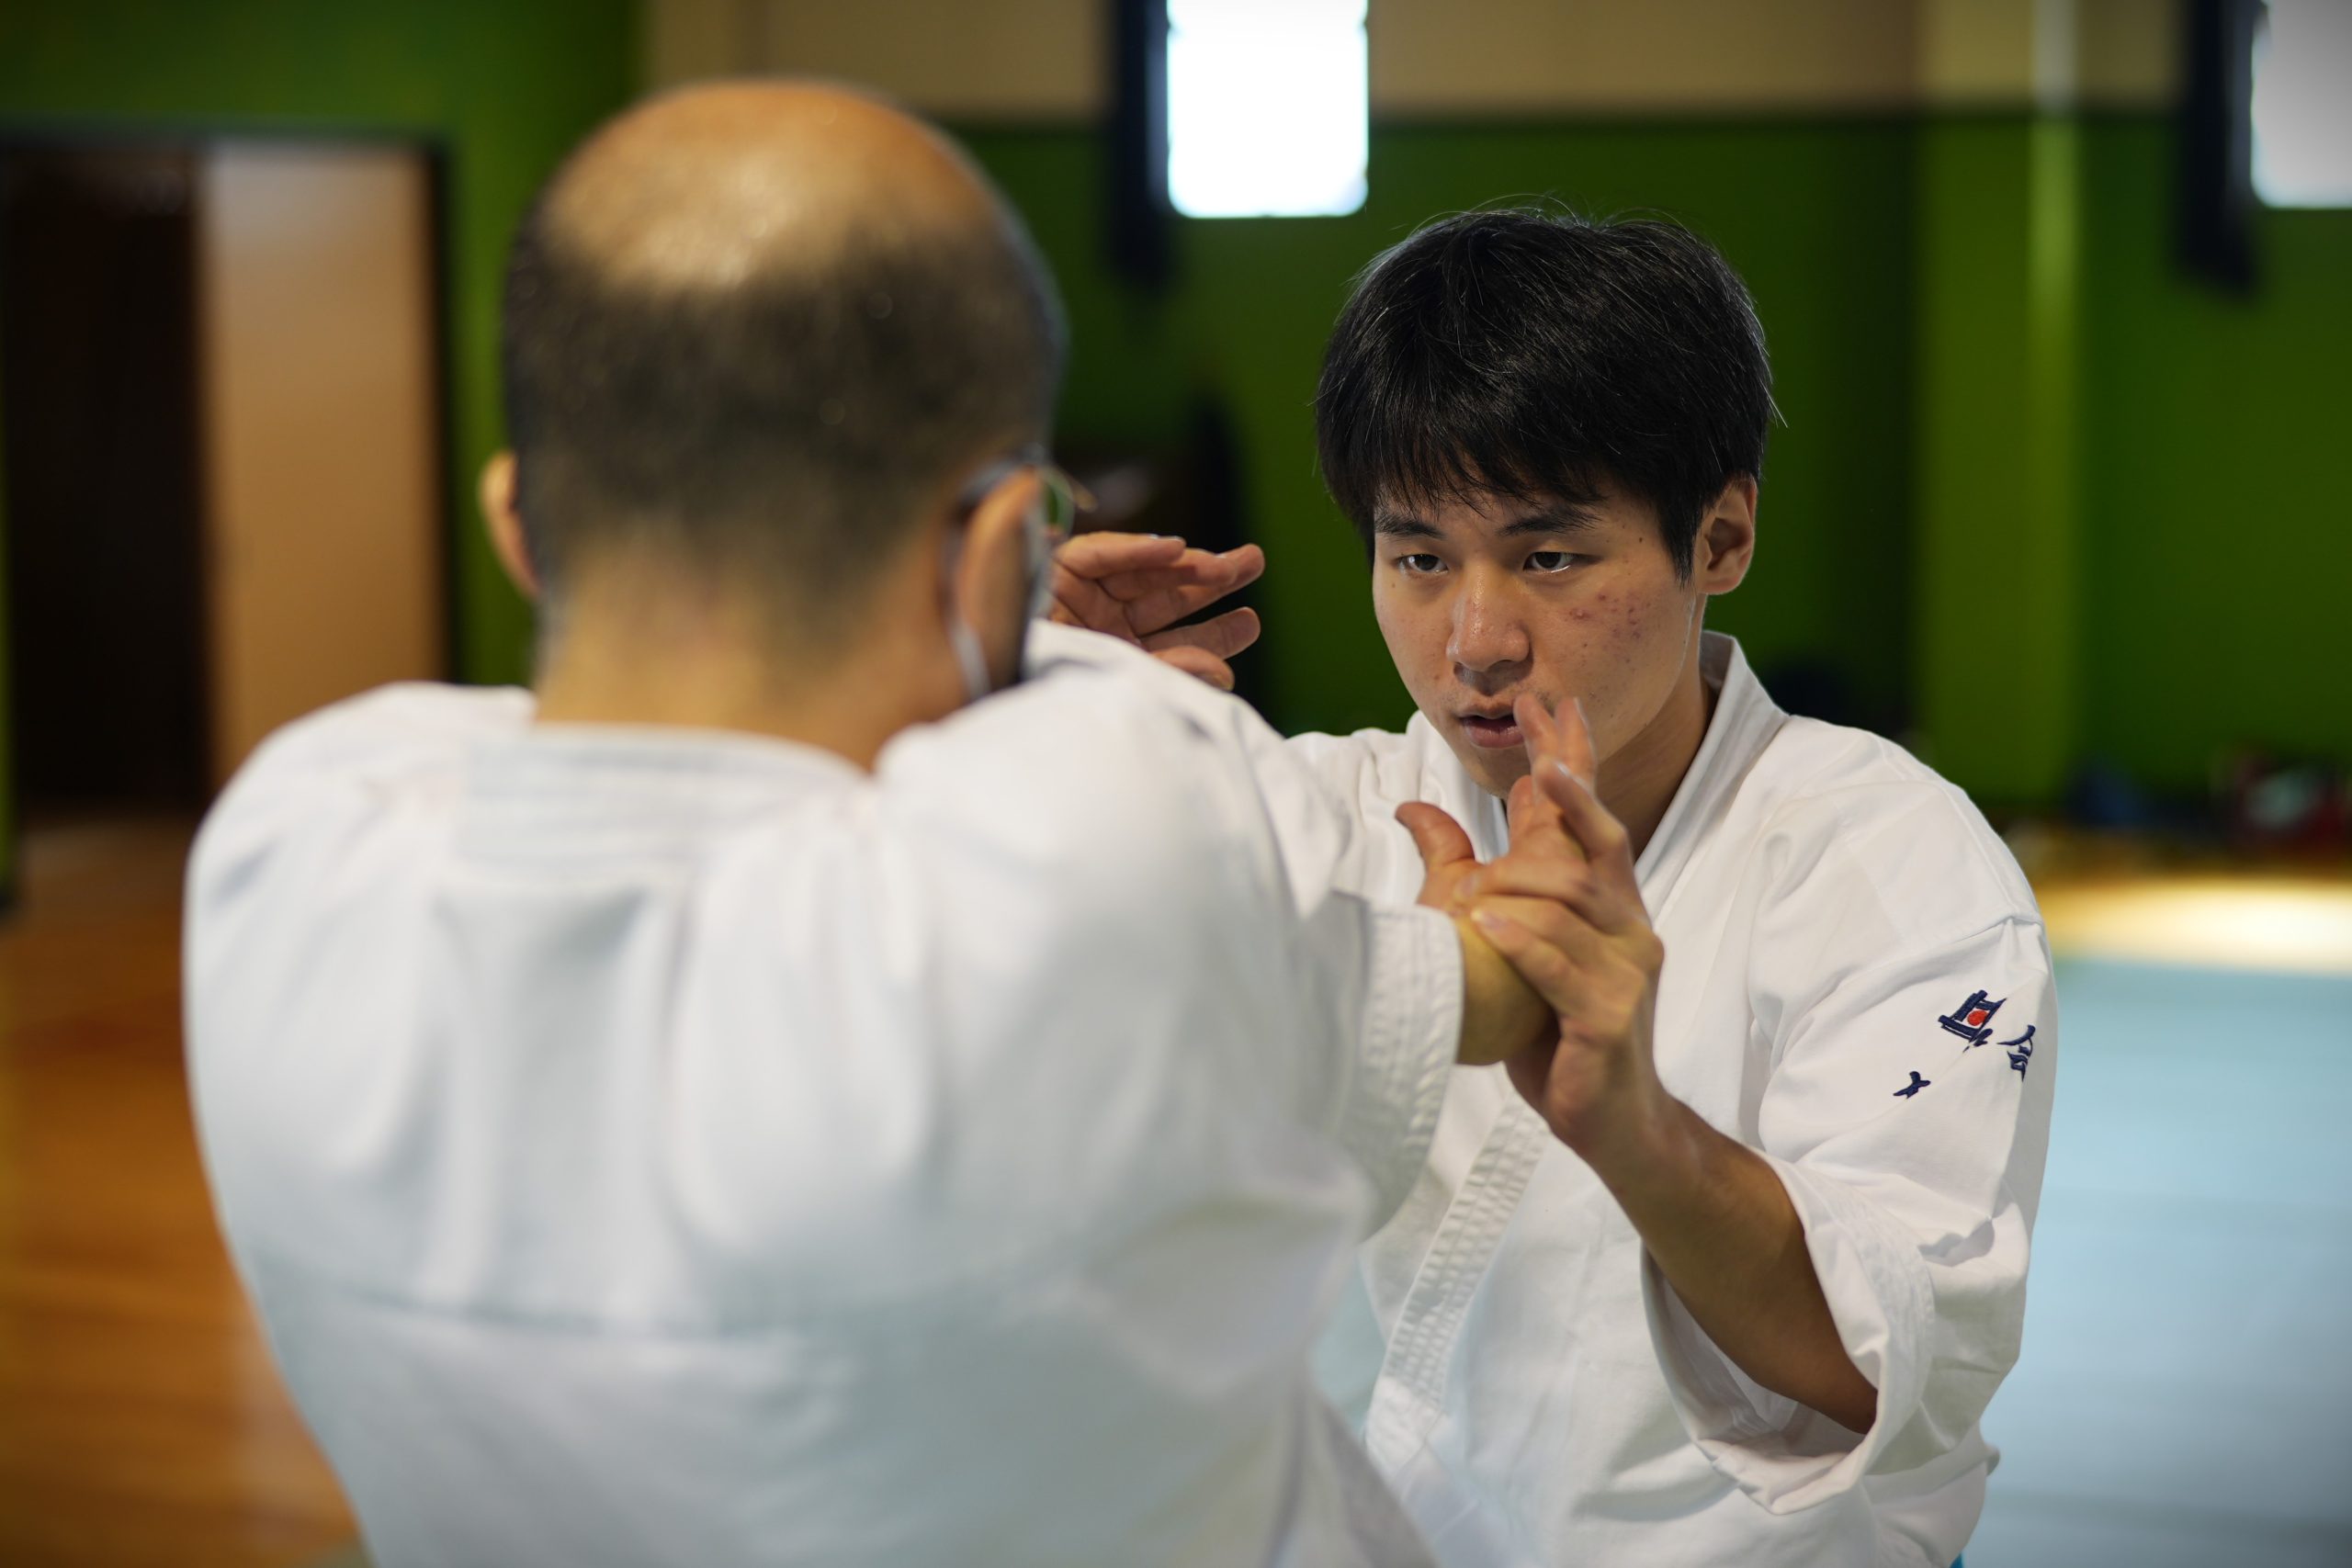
(141, 1421)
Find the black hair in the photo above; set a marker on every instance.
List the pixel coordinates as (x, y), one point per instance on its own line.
(1535, 354)
(787, 424)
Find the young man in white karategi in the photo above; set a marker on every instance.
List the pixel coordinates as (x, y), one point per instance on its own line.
(750, 1100)
(1731, 1277)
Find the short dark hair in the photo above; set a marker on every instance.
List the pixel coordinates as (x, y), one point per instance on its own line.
(788, 424)
(1533, 355)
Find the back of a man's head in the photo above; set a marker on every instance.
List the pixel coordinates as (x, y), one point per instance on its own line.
(1536, 353)
(751, 330)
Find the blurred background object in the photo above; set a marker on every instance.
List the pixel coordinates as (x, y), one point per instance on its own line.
(2060, 300)
(219, 359)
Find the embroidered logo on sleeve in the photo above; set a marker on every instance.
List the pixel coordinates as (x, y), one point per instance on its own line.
(1914, 1086)
(1973, 1020)
(2020, 1050)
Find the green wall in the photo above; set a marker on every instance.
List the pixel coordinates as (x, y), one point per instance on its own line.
(2217, 556)
(1815, 216)
(2032, 484)
(2039, 498)
(1995, 440)
(502, 87)
(2127, 552)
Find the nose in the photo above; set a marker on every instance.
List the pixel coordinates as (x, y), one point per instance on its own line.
(1488, 645)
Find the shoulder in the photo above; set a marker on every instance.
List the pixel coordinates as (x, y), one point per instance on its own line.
(381, 735)
(349, 760)
(1066, 862)
(1392, 760)
(1848, 822)
(1105, 770)
(1378, 769)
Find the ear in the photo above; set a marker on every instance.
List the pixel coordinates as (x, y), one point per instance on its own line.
(990, 586)
(506, 525)
(1726, 541)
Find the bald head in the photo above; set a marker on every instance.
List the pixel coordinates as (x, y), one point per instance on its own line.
(755, 327)
(717, 187)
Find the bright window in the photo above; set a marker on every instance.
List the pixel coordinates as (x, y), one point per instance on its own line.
(1266, 108)
(2303, 104)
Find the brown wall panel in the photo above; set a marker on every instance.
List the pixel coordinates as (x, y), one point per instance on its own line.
(321, 460)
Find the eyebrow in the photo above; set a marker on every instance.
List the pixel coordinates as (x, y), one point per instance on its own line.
(1397, 525)
(1561, 518)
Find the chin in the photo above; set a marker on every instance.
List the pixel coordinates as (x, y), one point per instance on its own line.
(1494, 771)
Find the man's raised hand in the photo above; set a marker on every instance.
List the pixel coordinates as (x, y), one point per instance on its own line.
(1567, 914)
(1504, 1017)
(1135, 587)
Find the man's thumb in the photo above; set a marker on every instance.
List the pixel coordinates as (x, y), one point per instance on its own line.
(1436, 834)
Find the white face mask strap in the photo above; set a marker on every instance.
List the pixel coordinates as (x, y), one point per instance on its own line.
(969, 658)
(1041, 565)
(961, 637)
(966, 643)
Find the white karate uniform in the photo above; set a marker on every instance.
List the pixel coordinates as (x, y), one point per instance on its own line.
(662, 1146)
(1825, 902)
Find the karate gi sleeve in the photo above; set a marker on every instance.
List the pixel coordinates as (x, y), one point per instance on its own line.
(1388, 975)
(1374, 998)
(1905, 1107)
(1363, 777)
(1391, 982)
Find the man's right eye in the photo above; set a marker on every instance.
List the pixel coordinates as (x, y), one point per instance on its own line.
(1419, 565)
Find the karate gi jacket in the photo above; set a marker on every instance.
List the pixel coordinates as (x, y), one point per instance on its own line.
(1857, 986)
(658, 1146)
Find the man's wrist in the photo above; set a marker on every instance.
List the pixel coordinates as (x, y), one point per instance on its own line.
(1649, 1152)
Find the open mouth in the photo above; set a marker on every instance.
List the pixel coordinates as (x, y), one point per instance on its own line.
(1496, 734)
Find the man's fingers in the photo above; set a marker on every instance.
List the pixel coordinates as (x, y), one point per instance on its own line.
(1223, 635)
(1541, 965)
(1235, 568)
(1535, 823)
(1436, 834)
(1199, 663)
(1564, 734)
(1560, 880)
(1520, 798)
(1132, 586)
(1080, 602)
(1195, 585)
(1558, 927)
(1534, 720)
(1604, 837)
(1574, 735)
(1098, 554)
(1519, 808)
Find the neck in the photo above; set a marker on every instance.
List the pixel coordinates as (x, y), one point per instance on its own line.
(709, 661)
(1638, 781)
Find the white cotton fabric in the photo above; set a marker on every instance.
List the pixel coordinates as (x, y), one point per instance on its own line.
(1521, 1371)
(659, 1146)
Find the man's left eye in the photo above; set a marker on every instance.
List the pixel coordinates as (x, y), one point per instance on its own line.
(1551, 561)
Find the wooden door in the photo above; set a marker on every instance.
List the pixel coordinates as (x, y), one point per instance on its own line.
(323, 466)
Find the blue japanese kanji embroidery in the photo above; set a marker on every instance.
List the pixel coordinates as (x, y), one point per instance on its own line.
(2020, 1050)
(1973, 1020)
(1914, 1086)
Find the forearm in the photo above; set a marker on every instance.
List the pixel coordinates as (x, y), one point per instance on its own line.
(1501, 1013)
(1728, 1240)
